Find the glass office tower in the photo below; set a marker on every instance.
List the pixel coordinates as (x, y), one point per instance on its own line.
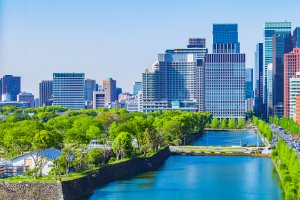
(296, 38)
(68, 90)
(282, 43)
(137, 87)
(270, 29)
(176, 80)
(259, 63)
(11, 86)
(249, 83)
(225, 38)
(46, 92)
(225, 74)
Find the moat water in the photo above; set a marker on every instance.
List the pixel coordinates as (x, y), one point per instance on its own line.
(228, 138)
(201, 177)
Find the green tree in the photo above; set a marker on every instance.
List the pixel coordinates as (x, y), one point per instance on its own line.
(231, 123)
(43, 140)
(255, 120)
(122, 145)
(215, 123)
(94, 157)
(241, 123)
(93, 132)
(223, 124)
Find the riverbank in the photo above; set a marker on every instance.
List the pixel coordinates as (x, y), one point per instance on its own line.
(227, 129)
(217, 150)
(199, 177)
(84, 186)
(220, 154)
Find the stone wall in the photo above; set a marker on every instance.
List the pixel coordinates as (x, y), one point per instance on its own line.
(84, 186)
(30, 191)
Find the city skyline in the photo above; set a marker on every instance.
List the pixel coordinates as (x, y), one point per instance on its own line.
(122, 30)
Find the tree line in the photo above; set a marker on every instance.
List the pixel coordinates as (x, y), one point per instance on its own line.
(128, 135)
(263, 128)
(288, 166)
(286, 123)
(231, 123)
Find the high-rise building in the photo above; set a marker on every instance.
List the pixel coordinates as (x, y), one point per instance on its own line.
(270, 89)
(294, 86)
(89, 88)
(137, 87)
(296, 38)
(26, 97)
(11, 85)
(36, 102)
(176, 76)
(259, 63)
(196, 43)
(46, 92)
(225, 38)
(110, 86)
(68, 90)
(225, 74)
(291, 67)
(270, 29)
(282, 44)
(119, 91)
(99, 99)
(249, 83)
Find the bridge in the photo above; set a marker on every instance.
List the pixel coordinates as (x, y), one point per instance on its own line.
(221, 150)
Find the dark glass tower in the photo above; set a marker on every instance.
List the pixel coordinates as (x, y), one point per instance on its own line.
(11, 85)
(46, 92)
(270, 29)
(259, 88)
(296, 38)
(225, 38)
(249, 84)
(282, 44)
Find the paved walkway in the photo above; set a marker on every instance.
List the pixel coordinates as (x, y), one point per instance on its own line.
(218, 149)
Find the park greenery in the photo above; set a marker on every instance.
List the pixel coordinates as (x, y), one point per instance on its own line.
(263, 128)
(129, 135)
(287, 123)
(288, 167)
(231, 124)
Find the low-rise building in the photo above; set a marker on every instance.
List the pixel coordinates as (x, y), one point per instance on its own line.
(28, 160)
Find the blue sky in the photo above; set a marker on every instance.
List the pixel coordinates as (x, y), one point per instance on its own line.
(119, 39)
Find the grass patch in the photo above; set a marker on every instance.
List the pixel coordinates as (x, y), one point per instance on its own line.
(48, 178)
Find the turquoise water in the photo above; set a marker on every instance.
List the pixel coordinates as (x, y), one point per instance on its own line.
(199, 177)
(227, 138)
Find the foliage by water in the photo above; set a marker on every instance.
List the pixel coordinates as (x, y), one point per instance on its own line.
(288, 166)
(128, 134)
(263, 128)
(232, 124)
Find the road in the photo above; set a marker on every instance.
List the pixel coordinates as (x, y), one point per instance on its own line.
(289, 140)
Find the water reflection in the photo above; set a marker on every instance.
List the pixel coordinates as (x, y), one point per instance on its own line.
(227, 138)
(207, 177)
